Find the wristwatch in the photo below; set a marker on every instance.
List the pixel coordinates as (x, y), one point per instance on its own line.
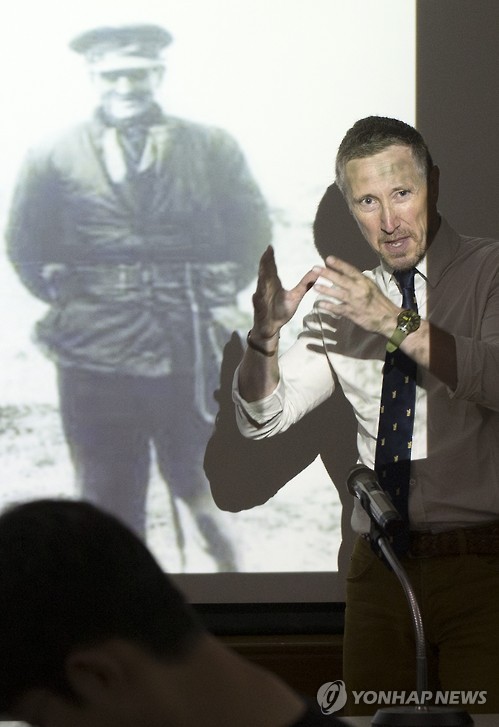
(408, 321)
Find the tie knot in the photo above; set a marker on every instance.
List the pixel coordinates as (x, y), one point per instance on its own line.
(405, 279)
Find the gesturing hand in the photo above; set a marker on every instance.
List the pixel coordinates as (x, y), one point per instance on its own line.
(360, 299)
(273, 305)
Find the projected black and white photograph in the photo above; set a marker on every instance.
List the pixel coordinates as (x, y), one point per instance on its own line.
(151, 153)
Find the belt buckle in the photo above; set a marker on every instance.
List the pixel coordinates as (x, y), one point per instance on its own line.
(146, 275)
(123, 275)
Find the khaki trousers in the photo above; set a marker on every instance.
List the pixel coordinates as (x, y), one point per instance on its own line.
(459, 601)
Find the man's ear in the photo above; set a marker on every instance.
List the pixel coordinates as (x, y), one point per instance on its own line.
(97, 673)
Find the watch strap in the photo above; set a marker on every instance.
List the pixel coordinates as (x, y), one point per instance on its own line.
(396, 339)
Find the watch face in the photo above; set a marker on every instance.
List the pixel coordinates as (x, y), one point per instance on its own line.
(408, 321)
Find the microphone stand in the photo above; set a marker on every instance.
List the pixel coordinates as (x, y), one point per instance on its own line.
(419, 715)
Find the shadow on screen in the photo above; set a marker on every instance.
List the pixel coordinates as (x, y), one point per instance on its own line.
(245, 473)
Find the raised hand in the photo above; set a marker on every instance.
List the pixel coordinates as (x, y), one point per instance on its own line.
(273, 305)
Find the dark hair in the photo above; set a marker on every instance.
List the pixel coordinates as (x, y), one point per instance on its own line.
(71, 575)
(374, 134)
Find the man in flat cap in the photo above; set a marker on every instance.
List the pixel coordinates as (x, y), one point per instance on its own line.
(138, 229)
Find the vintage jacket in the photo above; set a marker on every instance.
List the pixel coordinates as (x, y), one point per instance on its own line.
(141, 272)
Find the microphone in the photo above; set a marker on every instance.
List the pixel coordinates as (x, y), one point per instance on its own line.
(363, 484)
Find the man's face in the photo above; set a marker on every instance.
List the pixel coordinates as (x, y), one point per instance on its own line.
(127, 93)
(393, 204)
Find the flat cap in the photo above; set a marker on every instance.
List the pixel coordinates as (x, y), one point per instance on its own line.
(110, 48)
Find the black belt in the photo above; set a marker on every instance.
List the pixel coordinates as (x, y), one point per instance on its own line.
(125, 276)
(477, 540)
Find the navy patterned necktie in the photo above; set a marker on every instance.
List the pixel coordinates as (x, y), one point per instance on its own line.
(396, 421)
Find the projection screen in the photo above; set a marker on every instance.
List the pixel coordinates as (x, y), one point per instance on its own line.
(286, 79)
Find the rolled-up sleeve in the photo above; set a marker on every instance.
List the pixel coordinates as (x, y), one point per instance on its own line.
(306, 380)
